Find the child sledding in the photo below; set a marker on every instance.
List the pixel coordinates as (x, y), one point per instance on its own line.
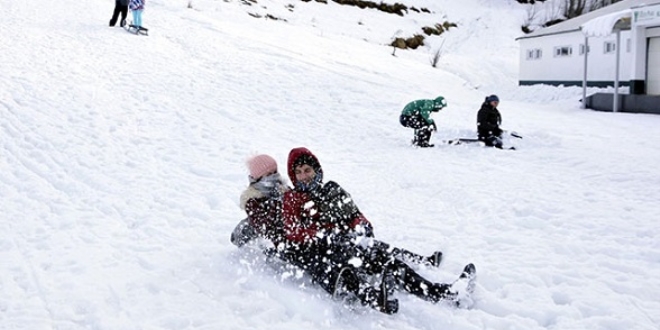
(317, 228)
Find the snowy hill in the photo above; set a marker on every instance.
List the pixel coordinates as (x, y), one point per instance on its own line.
(122, 160)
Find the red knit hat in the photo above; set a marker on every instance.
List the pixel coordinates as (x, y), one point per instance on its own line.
(261, 165)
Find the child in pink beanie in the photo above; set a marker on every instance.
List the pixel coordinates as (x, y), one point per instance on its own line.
(262, 201)
(260, 166)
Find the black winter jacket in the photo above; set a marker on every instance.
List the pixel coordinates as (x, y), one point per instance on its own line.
(488, 121)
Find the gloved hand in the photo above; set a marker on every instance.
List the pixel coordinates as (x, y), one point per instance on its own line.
(365, 230)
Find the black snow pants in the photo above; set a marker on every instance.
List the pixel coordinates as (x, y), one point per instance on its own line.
(119, 8)
(422, 128)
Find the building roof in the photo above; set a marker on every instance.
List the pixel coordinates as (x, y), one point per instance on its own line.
(574, 24)
(602, 26)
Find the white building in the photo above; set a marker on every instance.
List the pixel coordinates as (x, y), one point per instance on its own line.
(555, 55)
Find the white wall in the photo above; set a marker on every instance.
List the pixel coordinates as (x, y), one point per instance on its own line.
(653, 78)
(570, 68)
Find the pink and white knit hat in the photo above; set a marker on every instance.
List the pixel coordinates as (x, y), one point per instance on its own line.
(261, 165)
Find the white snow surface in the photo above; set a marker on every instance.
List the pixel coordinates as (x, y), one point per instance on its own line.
(122, 161)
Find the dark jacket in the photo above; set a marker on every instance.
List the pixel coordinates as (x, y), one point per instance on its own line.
(488, 121)
(421, 108)
(264, 214)
(123, 3)
(328, 210)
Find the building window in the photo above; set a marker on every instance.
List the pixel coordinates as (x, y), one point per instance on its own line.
(609, 47)
(582, 49)
(534, 54)
(563, 51)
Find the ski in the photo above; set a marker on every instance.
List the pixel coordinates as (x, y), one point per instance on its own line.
(514, 134)
(458, 141)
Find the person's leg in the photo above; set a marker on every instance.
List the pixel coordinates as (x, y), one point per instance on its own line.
(403, 120)
(407, 256)
(115, 14)
(422, 130)
(411, 122)
(423, 137)
(138, 18)
(494, 141)
(380, 253)
(409, 280)
(124, 12)
(135, 14)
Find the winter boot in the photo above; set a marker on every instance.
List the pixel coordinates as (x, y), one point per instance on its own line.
(435, 259)
(417, 285)
(463, 287)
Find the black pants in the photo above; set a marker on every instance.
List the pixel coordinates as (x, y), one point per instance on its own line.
(321, 261)
(492, 141)
(422, 128)
(119, 9)
(324, 261)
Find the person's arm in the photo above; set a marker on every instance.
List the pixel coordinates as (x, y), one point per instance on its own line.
(362, 226)
(339, 211)
(425, 108)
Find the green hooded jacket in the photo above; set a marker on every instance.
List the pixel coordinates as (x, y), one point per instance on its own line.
(424, 108)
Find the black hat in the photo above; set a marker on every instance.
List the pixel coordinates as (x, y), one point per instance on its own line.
(492, 98)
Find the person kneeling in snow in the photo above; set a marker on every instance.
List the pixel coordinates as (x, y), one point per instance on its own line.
(328, 236)
(488, 122)
(417, 115)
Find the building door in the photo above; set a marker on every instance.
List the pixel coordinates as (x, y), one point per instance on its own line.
(653, 67)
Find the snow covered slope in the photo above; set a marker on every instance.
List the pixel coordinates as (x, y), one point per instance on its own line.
(122, 159)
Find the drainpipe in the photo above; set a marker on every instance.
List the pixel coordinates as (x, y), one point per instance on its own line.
(584, 73)
(615, 106)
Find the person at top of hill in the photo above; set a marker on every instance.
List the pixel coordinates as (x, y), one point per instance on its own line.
(121, 6)
(325, 234)
(262, 202)
(137, 6)
(488, 122)
(417, 115)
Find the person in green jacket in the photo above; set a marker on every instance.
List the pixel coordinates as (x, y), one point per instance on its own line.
(417, 115)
